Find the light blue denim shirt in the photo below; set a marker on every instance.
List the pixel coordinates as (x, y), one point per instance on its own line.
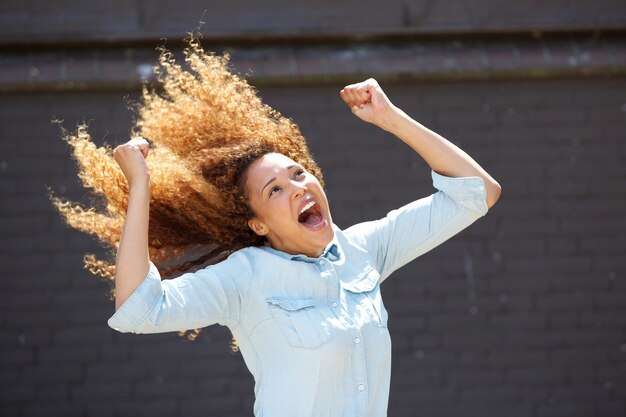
(312, 331)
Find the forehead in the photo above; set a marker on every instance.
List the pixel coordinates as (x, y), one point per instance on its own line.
(266, 167)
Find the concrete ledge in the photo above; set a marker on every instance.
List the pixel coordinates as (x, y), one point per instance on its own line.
(418, 60)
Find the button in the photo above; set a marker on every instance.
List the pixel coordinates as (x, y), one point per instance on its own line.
(481, 188)
(361, 387)
(357, 340)
(335, 304)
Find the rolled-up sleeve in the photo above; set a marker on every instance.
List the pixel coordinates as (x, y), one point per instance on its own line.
(416, 228)
(215, 294)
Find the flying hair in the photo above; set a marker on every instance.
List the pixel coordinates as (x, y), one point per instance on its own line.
(206, 125)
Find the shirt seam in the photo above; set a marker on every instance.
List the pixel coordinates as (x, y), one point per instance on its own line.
(143, 318)
(244, 310)
(259, 367)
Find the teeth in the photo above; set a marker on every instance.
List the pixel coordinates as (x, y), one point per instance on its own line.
(308, 206)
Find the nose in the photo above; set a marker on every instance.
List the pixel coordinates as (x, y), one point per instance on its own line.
(298, 189)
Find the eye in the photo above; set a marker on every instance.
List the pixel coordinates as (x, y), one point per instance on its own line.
(275, 188)
(299, 172)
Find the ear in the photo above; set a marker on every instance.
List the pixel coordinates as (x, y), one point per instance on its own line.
(258, 226)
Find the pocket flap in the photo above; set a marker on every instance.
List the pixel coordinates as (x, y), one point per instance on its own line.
(291, 303)
(366, 281)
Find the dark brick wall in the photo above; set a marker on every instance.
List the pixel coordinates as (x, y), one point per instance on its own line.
(522, 314)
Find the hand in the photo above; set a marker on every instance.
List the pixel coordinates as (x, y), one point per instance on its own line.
(367, 101)
(131, 157)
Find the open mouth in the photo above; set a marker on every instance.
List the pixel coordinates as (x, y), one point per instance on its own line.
(311, 216)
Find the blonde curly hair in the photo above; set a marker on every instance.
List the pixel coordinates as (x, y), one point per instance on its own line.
(206, 126)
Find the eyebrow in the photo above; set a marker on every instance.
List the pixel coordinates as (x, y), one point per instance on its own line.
(274, 179)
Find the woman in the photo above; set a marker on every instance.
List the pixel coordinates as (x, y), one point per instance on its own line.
(301, 296)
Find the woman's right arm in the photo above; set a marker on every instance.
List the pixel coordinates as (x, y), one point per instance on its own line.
(146, 304)
(132, 262)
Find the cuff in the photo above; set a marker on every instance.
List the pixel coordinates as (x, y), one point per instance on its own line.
(467, 191)
(137, 306)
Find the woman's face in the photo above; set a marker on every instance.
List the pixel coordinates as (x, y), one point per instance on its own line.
(290, 206)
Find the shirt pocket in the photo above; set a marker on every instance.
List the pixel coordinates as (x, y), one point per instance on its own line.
(300, 321)
(366, 291)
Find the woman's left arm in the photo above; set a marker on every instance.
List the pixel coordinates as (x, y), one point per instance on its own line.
(368, 102)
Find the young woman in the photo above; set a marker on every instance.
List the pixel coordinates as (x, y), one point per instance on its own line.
(301, 296)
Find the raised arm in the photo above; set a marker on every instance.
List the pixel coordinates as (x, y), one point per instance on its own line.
(132, 262)
(368, 102)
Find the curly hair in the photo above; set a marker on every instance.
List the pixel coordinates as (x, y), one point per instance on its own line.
(206, 125)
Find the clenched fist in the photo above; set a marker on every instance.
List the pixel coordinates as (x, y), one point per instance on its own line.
(367, 101)
(131, 157)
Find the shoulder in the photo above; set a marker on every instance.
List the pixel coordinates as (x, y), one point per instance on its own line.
(354, 236)
(238, 265)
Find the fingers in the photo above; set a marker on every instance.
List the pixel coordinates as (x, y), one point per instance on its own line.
(358, 94)
(139, 143)
(130, 156)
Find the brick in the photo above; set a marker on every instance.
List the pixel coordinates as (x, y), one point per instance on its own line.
(425, 395)
(602, 319)
(135, 370)
(83, 335)
(564, 301)
(60, 373)
(610, 408)
(474, 339)
(518, 356)
(563, 319)
(80, 354)
(156, 407)
(488, 395)
(100, 407)
(610, 301)
(563, 264)
(534, 375)
(565, 409)
(18, 393)
(159, 388)
(583, 392)
(222, 367)
(52, 392)
(612, 244)
(199, 406)
(519, 321)
(217, 385)
(423, 341)
(9, 376)
(408, 324)
(17, 356)
(113, 352)
(581, 373)
(101, 390)
(474, 376)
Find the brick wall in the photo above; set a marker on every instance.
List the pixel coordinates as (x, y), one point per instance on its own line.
(522, 314)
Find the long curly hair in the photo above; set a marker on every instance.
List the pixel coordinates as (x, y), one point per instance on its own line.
(206, 125)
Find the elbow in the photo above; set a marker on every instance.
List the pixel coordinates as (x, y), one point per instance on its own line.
(119, 327)
(494, 190)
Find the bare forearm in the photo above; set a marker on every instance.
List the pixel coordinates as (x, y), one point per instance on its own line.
(440, 154)
(132, 260)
